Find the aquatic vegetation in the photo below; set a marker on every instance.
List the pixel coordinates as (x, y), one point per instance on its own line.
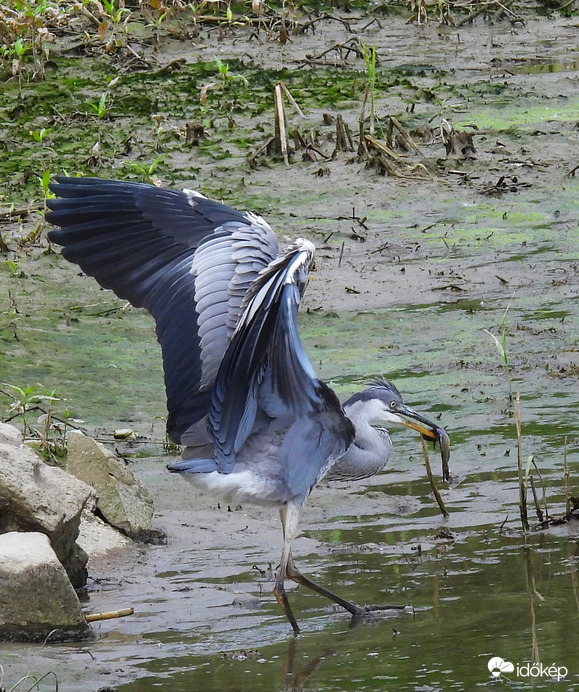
(43, 422)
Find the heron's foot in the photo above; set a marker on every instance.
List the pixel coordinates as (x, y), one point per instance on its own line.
(387, 610)
(404, 608)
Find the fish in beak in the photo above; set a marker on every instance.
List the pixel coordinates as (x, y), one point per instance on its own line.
(430, 431)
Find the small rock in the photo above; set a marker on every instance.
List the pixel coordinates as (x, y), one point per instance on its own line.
(97, 538)
(122, 499)
(9, 435)
(125, 434)
(38, 497)
(37, 600)
(247, 602)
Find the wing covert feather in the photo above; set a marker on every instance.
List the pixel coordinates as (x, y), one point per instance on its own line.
(141, 242)
(265, 368)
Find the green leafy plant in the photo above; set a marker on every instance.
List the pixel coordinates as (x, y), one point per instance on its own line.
(146, 171)
(49, 429)
(501, 344)
(44, 184)
(39, 135)
(20, 48)
(113, 13)
(226, 76)
(24, 399)
(101, 110)
(14, 268)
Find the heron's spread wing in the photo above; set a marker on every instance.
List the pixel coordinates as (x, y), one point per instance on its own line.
(187, 259)
(266, 374)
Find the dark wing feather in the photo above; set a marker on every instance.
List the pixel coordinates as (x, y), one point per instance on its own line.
(266, 373)
(141, 242)
(314, 442)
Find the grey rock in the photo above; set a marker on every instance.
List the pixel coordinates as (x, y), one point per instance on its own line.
(41, 498)
(97, 538)
(9, 435)
(123, 500)
(37, 600)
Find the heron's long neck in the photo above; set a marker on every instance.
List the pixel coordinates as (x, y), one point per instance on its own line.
(367, 455)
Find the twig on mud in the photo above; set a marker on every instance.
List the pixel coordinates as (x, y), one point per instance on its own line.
(433, 485)
(291, 99)
(362, 29)
(252, 158)
(504, 184)
(301, 28)
(352, 45)
(385, 149)
(359, 220)
(483, 8)
(86, 13)
(362, 150)
(277, 144)
(110, 615)
(15, 213)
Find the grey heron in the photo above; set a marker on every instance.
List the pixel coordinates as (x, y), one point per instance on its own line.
(256, 423)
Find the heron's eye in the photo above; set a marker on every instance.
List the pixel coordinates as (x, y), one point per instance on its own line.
(392, 404)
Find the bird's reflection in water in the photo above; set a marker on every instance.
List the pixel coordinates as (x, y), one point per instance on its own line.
(293, 680)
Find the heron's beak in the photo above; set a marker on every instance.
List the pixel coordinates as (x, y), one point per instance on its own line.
(429, 431)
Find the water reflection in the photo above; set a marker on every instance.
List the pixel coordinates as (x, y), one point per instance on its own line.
(483, 595)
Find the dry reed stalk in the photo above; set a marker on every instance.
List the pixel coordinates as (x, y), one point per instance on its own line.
(522, 482)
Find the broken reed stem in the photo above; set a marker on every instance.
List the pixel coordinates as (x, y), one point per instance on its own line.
(431, 479)
(538, 509)
(522, 481)
(405, 136)
(567, 481)
(94, 617)
(280, 124)
(545, 507)
(380, 146)
(291, 99)
(362, 115)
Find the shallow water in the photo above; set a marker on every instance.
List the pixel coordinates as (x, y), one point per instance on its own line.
(529, 608)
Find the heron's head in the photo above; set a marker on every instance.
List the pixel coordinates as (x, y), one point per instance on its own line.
(382, 403)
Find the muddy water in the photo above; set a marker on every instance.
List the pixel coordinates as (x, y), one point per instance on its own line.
(442, 261)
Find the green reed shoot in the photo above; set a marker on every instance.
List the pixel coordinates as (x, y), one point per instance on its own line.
(370, 60)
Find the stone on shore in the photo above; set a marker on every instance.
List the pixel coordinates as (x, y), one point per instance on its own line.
(9, 435)
(40, 498)
(96, 538)
(123, 500)
(37, 600)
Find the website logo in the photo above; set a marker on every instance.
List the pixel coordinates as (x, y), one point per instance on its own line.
(498, 668)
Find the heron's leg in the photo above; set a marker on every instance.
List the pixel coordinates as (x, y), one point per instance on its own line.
(294, 574)
(289, 515)
(289, 520)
